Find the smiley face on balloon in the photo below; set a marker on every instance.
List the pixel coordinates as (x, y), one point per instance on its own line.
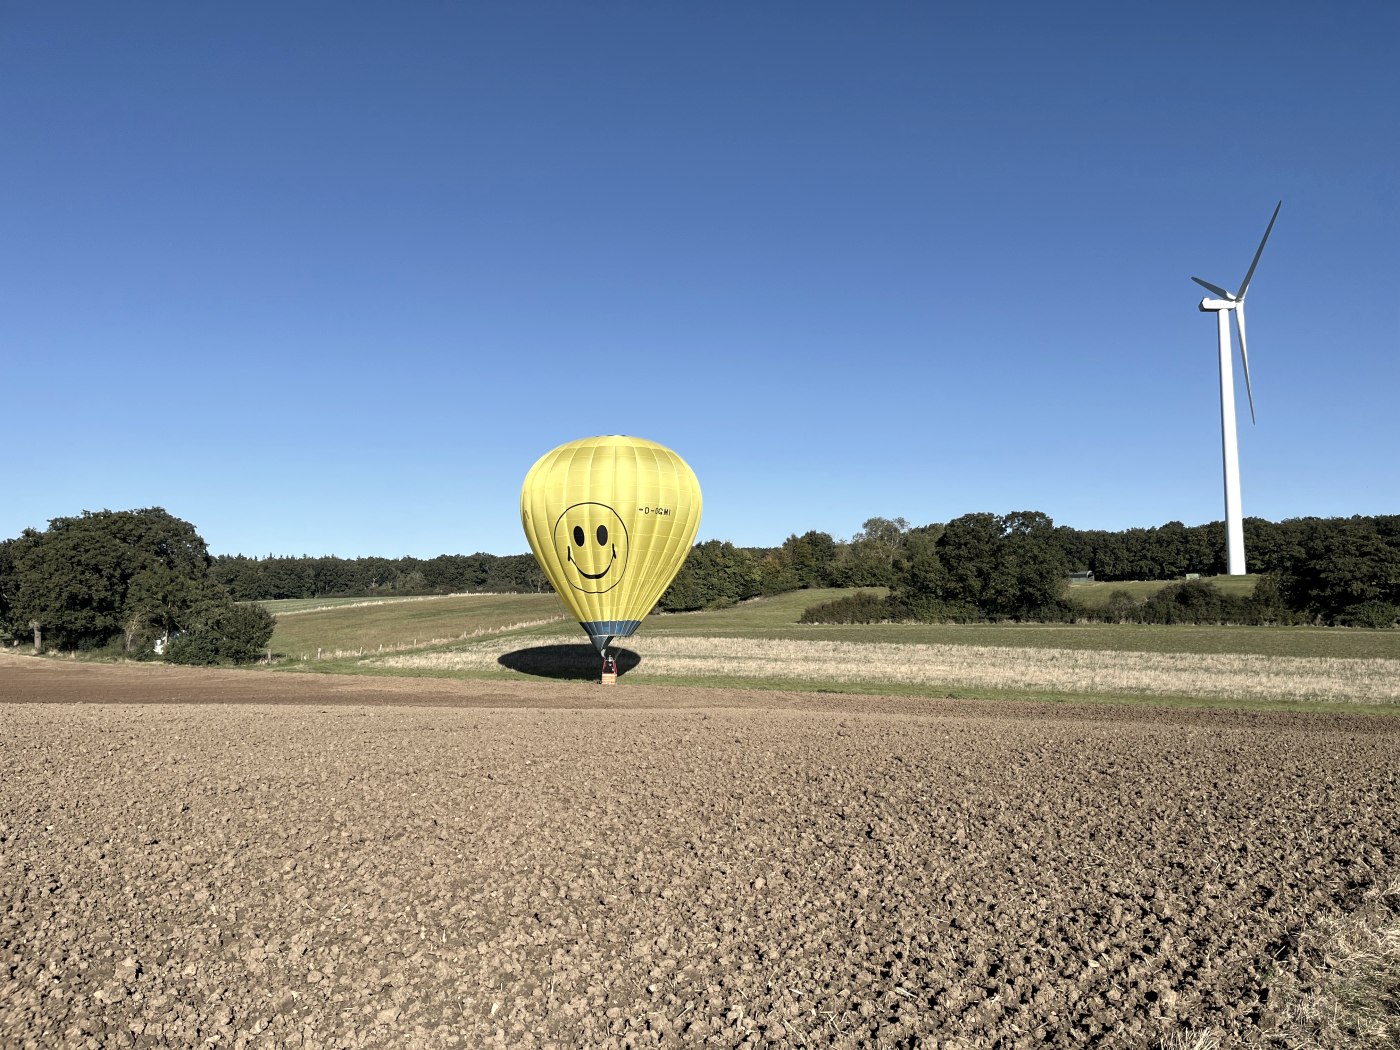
(592, 543)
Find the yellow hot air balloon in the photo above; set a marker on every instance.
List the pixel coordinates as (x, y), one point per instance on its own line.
(610, 520)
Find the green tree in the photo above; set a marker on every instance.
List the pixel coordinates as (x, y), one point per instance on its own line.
(240, 576)
(76, 578)
(968, 552)
(1168, 547)
(1188, 601)
(223, 630)
(714, 573)
(775, 575)
(811, 558)
(868, 560)
(1270, 547)
(13, 622)
(1342, 565)
(159, 602)
(1033, 569)
(920, 581)
(983, 565)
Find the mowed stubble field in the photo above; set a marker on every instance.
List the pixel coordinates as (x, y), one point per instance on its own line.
(256, 859)
(761, 645)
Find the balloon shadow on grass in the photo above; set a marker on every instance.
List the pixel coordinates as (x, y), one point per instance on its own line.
(577, 663)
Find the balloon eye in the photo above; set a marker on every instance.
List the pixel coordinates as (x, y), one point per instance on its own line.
(602, 535)
(578, 535)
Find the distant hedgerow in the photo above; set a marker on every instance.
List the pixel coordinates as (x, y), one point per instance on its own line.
(1374, 614)
(861, 607)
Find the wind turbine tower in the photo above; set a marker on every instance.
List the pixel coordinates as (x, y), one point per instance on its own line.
(1222, 306)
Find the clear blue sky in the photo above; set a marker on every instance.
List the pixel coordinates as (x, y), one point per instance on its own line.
(327, 278)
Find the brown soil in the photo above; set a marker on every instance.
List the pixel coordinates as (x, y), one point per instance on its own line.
(248, 859)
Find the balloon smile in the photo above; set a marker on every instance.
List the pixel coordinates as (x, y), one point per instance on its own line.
(591, 536)
(592, 575)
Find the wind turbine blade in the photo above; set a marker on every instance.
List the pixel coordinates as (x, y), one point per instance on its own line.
(1245, 284)
(1221, 292)
(1244, 356)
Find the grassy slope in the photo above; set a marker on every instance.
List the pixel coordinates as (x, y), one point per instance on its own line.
(399, 624)
(1095, 594)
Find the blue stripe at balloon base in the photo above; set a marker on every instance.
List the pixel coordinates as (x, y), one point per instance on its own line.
(601, 632)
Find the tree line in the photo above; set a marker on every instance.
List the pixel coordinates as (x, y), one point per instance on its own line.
(985, 566)
(275, 577)
(121, 580)
(982, 565)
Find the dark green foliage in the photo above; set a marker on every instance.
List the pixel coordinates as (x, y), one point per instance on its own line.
(137, 575)
(929, 610)
(1191, 601)
(1374, 614)
(1198, 602)
(714, 574)
(1340, 566)
(1034, 569)
(1121, 607)
(984, 566)
(270, 578)
(1167, 552)
(13, 623)
(968, 553)
(223, 631)
(195, 650)
(1270, 548)
(92, 578)
(119, 581)
(1266, 606)
(244, 630)
(861, 607)
(775, 575)
(1173, 550)
(811, 558)
(868, 560)
(158, 601)
(919, 579)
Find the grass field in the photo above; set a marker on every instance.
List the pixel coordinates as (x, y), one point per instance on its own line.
(354, 625)
(776, 618)
(759, 644)
(292, 606)
(1094, 594)
(963, 669)
(296, 606)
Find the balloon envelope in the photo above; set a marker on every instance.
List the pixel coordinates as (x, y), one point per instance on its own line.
(610, 521)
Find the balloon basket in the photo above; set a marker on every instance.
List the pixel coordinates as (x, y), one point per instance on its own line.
(609, 678)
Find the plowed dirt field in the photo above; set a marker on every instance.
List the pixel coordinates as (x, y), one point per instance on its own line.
(247, 859)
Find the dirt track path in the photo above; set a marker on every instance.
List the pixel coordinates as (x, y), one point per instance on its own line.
(302, 860)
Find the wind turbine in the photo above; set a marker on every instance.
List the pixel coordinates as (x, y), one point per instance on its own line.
(1222, 306)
